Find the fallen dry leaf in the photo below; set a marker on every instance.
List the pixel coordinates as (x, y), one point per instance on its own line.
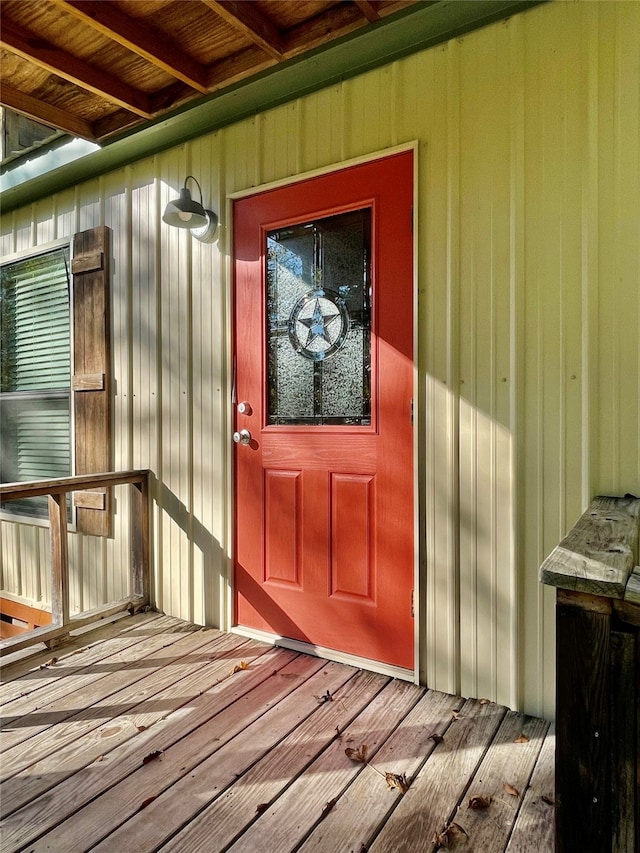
(328, 806)
(239, 667)
(262, 807)
(153, 756)
(146, 802)
(394, 780)
(479, 803)
(548, 800)
(509, 789)
(436, 738)
(50, 662)
(522, 739)
(449, 833)
(455, 714)
(359, 754)
(142, 728)
(485, 701)
(326, 697)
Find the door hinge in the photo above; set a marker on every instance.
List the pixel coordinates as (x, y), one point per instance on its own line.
(413, 612)
(411, 411)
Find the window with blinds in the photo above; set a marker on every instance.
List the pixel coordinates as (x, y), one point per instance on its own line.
(35, 373)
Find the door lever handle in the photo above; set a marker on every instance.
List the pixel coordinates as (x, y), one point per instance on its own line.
(242, 437)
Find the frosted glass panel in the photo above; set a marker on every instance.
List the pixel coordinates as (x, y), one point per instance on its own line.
(319, 321)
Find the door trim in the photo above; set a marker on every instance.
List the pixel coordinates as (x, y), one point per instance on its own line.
(329, 654)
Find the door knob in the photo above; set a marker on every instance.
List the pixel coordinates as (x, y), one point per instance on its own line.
(242, 437)
(245, 408)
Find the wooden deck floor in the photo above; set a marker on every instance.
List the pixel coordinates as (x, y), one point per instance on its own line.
(150, 734)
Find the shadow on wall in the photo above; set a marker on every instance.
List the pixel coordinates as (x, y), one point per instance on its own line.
(214, 558)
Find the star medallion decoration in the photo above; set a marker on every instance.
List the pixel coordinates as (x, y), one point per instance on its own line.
(318, 324)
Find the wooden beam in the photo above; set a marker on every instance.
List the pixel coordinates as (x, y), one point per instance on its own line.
(367, 10)
(75, 70)
(142, 39)
(597, 554)
(248, 20)
(14, 491)
(45, 113)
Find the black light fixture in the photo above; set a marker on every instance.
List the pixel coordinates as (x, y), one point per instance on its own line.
(184, 212)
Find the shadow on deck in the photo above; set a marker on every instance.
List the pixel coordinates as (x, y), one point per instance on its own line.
(151, 734)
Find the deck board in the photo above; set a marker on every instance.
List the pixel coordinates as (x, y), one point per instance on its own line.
(249, 744)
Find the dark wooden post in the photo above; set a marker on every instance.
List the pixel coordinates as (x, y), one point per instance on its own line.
(583, 724)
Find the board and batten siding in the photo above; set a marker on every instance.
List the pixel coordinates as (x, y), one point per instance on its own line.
(528, 326)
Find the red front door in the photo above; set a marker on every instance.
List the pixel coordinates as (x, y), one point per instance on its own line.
(324, 472)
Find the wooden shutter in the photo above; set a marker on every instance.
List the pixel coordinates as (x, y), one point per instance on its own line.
(91, 374)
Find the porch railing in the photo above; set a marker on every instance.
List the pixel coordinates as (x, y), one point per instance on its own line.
(56, 490)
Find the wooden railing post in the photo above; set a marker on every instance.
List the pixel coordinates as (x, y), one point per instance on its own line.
(140, 539)
(59, 558)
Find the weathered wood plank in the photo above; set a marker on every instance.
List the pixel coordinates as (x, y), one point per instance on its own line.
(299, 809)
(236, 807)
(509, 761)
(46, 681)
(78, 740)
(219, 753)
(13, 491)
(27, 717)
(429, 804)
(597, 555)
(203, 694)
(22, 675)
(367, 803)
(534, 829)
(583, 688)
(632, 591)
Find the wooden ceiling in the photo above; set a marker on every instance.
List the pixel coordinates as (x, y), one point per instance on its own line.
(97, 68)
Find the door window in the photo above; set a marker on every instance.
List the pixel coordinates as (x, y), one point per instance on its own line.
(319, 321)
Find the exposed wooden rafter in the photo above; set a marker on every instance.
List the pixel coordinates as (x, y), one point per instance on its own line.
(45, 113)
(46, 55)
(146, 41)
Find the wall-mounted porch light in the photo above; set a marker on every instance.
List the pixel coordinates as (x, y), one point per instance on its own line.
(184, 212)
